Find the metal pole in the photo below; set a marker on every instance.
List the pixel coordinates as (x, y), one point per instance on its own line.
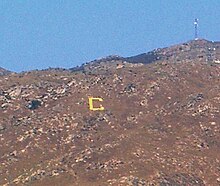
(196, 28)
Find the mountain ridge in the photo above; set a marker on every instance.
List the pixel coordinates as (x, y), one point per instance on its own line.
(203, 50)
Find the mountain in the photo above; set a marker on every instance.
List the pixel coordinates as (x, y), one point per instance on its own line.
(160, 123)
(4, 72)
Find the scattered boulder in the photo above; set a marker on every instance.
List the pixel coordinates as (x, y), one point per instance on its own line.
(34, 104)
(2, 127)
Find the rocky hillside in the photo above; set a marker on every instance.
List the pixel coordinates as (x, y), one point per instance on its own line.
(160, 125)
(4, 72)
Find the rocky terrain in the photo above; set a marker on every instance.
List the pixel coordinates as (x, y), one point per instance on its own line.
(160, 126)
(4, 72)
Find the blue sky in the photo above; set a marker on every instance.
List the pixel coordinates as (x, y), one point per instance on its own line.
(37, 34)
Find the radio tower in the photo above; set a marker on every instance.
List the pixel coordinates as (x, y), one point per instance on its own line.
(196, 28)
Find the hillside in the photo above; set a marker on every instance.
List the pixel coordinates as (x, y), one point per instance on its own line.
(4, 72)
(160, 125)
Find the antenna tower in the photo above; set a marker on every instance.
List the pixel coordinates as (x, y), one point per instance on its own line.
(196, 28)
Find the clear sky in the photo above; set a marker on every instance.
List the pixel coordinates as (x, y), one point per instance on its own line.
(37, 34)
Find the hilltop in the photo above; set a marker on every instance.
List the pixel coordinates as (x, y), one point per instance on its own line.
(196, 50)
(160, 125)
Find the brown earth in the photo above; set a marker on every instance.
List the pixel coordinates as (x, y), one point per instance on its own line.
(160, 125)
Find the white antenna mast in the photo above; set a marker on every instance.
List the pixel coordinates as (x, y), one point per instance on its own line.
(196, 28)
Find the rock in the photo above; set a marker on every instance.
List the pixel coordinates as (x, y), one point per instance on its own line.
(130, 88)
(2, 127)
(34, 104)
(182, 179)
(16, 92)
